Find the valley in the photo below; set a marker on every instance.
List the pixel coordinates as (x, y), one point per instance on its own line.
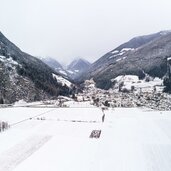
(85, 85)
(113, 114)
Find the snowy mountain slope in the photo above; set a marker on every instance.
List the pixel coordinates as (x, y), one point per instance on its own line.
(62, 80)
(78, 64)
(72, 71)
(139, 56)
(55, 65)
(127, 47)
(132, 81)
(77, 67)
(24, 76)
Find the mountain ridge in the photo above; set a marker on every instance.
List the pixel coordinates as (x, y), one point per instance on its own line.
(77, 67)
(149, 57)
(24, 76)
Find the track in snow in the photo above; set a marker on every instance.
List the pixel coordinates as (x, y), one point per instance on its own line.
(17, 154)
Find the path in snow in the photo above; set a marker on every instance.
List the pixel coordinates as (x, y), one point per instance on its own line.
(17, 154)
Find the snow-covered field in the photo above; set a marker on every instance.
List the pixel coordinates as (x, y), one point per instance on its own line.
(131, 139)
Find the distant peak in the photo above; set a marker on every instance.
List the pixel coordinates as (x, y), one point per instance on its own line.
(78, 64)
(78, 59)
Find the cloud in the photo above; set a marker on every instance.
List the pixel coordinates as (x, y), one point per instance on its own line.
(65, 29)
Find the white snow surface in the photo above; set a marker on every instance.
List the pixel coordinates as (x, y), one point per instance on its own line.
(127, 78)
(8, 61)
(133, 80)
(2, 57)
(76, 70)
(118, 59)
(115, 51)
(126, 49)
(169, 58)
(131, 139)
(120, 53)
(71, 72)
(62, 80)
(62, 72)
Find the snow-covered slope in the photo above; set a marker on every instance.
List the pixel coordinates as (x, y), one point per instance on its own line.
(72, 71)
(62, 80)
(132, 81)
(55, 65)
(140, 56)
(24, 76)
(77, 67)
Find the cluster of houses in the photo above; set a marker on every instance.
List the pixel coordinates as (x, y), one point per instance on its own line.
(139, 97)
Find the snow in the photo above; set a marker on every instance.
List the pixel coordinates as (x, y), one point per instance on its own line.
(21, 151)
(8, 61)
(17, 114)
(71, 72)
(122, 50)
(133, 80)
(2, 57)
(121, 59)
(132, 139)
(80, 104)
(76, 70)
(119, 54)
(127, 78)
(20, 103)
(118, 59)
(114, 52)
(127, 49)
(112, 56)
(62, 80)
(62, 72)
(169, 58)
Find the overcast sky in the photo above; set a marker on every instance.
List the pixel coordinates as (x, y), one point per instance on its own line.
(66, 29)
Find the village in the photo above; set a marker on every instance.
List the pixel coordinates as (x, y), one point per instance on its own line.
(149, 95)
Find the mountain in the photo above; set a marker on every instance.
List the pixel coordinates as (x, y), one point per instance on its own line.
(55, 65)
(26, 77)
(77, 67)
(72, 71)
(140, 56)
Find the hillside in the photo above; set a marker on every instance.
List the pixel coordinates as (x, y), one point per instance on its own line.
(77, 67)
(24, 76)
(140, 56)
(55, 65)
